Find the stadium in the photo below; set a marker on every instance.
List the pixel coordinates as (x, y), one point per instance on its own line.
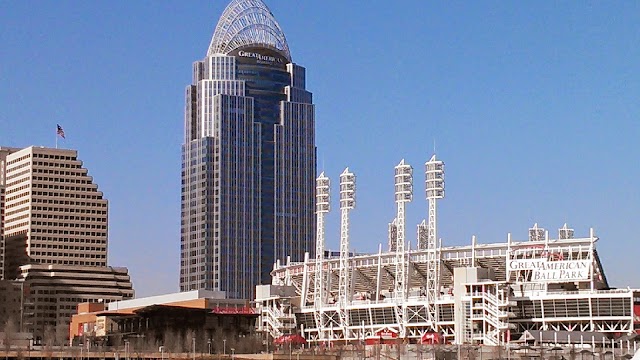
(542, 288)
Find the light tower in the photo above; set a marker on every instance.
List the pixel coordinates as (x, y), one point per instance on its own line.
(347, 202)
(403, 194)
(565, 232)
(434, 171)
(393, 235)
(423, 235)
(322, 207)
(536, 233)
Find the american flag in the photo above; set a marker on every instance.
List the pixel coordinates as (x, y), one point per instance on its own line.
(60, 131)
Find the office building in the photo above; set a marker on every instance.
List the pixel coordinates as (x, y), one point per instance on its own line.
(1, 232)
(55, 237)
(11, 300)
(248, 159)
(4, 151)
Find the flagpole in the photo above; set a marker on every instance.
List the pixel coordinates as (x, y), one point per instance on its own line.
(56, 139)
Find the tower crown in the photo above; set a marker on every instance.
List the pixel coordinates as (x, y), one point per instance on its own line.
(248, 23)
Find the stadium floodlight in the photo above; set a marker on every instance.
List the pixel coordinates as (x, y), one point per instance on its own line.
(536, 233)
(434, 184)
(347, 203)
(565, 233)
(323, 185)
(403, 193)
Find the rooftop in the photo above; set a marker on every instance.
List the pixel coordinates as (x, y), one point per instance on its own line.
(246, 23)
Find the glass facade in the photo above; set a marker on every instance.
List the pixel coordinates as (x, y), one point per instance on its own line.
(248, 168)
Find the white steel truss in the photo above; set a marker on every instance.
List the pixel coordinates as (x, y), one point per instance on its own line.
(393, 235)
(320, 280)
(403, 193)
(423, 235)
(244, 23)
(434, 173)
(347, 203)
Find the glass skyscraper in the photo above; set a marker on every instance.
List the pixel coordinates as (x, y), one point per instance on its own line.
(248, 158)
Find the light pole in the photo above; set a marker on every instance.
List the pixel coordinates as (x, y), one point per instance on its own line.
(224, 346)
(193, 348)
(209, 346)
(233, 353)
(161, 352)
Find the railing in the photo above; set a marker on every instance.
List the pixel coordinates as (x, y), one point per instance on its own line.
(273, 316)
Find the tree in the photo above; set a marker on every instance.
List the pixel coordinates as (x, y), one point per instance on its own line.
(188, 341)
(171, 341)
(10, 331)
(61, 334)
(49, 340)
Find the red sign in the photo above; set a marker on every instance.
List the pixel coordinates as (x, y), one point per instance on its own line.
(233, 310)
(387, 334)
(431, 338)
(383, 336)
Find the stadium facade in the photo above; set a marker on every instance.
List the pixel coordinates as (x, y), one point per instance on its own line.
(248, 159)
(488, 294)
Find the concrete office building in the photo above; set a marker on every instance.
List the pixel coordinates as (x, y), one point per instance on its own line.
(1, 232)
(12, 298)
(248, 159)
(53, 204)
(55, 236)
(4, 151)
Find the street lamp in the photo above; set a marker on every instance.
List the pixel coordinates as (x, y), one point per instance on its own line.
(224, 346)
(126, 349)
(193, 348)
(209, 346)
(233, 352)
(161, 352)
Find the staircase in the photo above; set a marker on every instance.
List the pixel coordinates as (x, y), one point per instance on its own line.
(278, 319)
(496, 315)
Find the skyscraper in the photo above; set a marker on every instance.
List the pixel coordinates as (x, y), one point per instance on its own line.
(248, 159)
(4, 152)
(53, 210)
(55, 236)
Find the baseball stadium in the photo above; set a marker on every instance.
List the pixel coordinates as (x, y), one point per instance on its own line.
(547, 288)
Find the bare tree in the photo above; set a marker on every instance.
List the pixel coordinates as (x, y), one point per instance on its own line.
(61, 334)
(171, 340)
(187, 340)
(10, 332)
(150, 343)
(217, 340)
(49, 340)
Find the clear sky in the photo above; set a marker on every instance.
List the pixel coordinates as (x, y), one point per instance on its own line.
(534, 106)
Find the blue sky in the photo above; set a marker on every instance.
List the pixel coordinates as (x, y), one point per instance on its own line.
(534, 107)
